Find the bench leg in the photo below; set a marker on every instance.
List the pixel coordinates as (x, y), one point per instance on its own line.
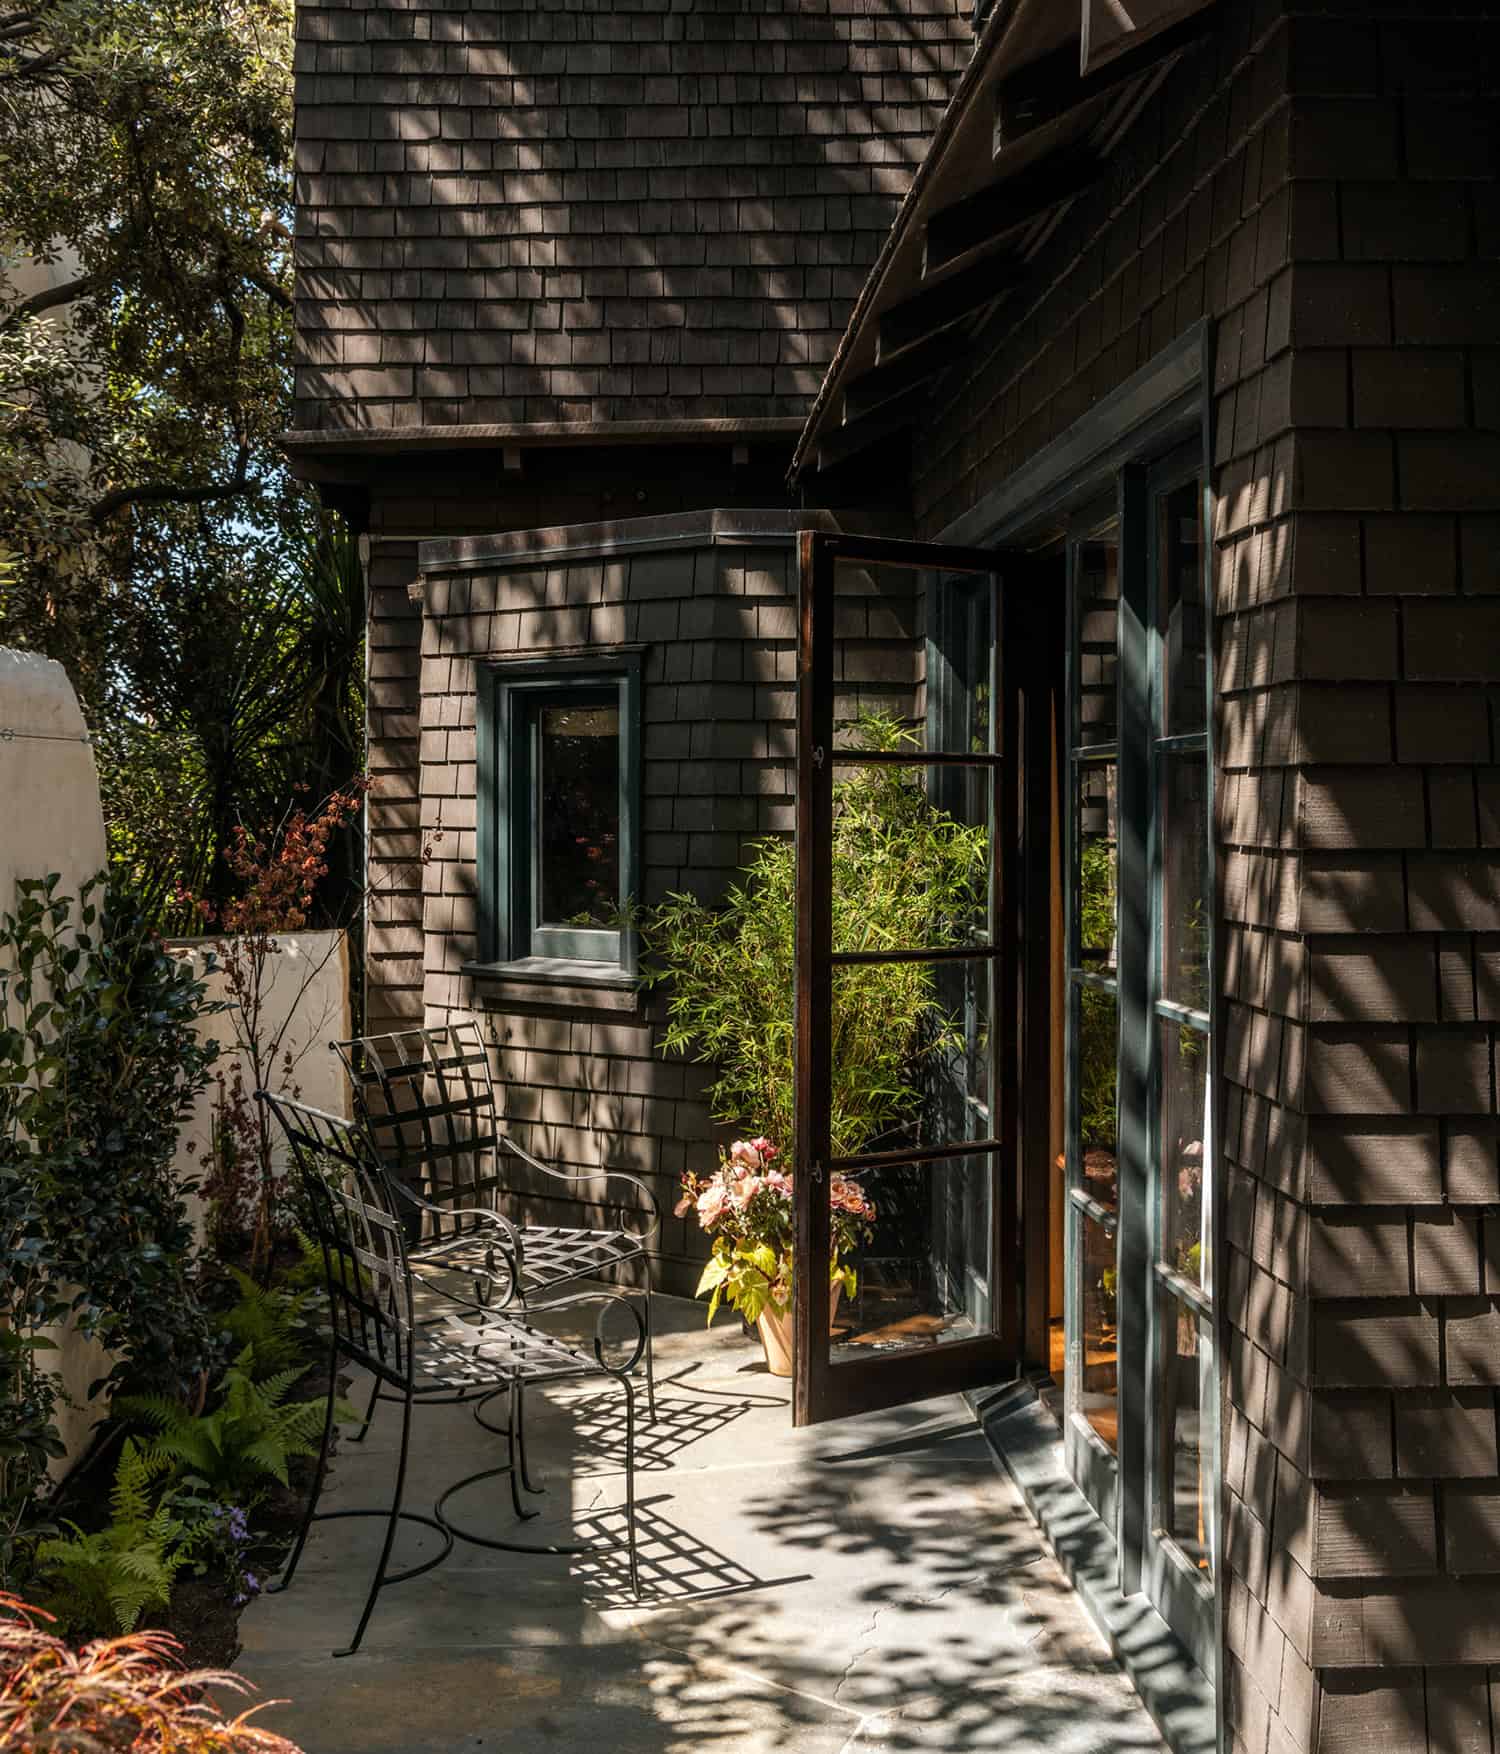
(390, 1531)
(630, 1540)
(650, 1369)
(315, 1491)
(369, 1418)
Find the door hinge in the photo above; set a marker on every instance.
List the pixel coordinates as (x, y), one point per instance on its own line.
(819, 756)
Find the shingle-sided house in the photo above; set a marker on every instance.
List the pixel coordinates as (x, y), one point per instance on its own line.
(1113, 391)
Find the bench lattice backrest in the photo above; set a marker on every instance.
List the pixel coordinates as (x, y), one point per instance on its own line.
(354, 1218)
(428, 1099)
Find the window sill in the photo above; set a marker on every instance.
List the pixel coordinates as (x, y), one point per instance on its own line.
(547, 980)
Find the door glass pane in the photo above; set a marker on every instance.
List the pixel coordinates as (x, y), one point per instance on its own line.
(923, 1273)
(578, 814)
(1183, 1136)
(1097, 1017)
(1098, 635)
(911, 857)
(910, 1064)
(1182, 622)
(1186, 1441)
(1186, 903)
(1098, 1367)
(1096, 867)
(912, 649)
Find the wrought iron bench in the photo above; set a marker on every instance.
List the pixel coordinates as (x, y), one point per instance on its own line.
(427, 1097)
(453, 1351)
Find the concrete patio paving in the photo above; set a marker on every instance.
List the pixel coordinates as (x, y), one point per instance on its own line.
(871, 1585)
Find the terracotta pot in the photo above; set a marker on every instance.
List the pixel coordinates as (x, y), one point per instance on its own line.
(776, 1333)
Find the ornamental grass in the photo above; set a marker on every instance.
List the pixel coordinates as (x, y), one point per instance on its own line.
(114, 1696)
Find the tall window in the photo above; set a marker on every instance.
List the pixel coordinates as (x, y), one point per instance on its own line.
(558, 826)
(1093, 983)
(1182, 914)
(1141, 1396)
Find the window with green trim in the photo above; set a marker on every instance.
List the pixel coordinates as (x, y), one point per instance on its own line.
(558, 810)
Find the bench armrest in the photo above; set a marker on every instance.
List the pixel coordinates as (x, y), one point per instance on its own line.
(652, 1210)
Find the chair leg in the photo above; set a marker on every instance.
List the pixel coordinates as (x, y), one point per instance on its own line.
(316, 1490)
(390, 1531)
(635, 1565)
(650, 1370)
(364, 1429)
(517, 1448)
(520, 1454)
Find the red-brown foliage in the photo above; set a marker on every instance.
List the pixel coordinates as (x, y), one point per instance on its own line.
(115, 1696)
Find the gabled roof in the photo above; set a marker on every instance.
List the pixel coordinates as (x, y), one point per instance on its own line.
(1051, 87)
(534, 217)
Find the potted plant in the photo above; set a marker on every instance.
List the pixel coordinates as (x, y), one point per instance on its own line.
(746, 1207)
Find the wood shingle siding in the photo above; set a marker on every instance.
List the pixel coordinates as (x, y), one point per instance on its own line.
(1323, 188)
(711, 599)
(601, 212)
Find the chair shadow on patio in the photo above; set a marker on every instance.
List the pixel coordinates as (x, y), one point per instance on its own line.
(682, 1419)
(862, 1589)
(676, 1566)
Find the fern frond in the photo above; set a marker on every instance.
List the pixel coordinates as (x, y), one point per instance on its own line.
(270, 1454)
(160, 1411)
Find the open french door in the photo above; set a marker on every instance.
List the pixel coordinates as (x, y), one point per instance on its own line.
(947, 644)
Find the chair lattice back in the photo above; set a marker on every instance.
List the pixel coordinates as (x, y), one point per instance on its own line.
(428, 1099)
(356, 1224)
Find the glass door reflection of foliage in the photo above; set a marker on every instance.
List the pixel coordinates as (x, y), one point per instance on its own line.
(1096, 1045)
(905, 873)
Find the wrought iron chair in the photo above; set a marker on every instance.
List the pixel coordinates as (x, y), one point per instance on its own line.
(427, 1097)
(460, 1353)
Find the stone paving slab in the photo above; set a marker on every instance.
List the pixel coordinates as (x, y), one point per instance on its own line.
(870, 1585)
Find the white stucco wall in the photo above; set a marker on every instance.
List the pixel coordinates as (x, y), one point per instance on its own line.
(50, 818)
(50, 821)
(305, 1006)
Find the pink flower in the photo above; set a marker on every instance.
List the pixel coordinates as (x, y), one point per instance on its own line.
(681, 1208)
(781, 1183)
(848, 1196)
(745, 1190)
(711, 1204)
(743, 1152)
(766, 1149)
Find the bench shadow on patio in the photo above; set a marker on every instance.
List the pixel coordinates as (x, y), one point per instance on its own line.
(873, 1585)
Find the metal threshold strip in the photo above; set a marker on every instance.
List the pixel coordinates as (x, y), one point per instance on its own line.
(958, 953)
(912, 758)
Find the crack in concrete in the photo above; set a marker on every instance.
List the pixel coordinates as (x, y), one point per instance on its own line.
(859, 1655)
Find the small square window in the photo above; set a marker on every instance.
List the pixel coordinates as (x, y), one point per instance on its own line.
(558, 816)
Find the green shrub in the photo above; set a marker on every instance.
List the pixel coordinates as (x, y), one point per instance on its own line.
(905, 875)
(100, 1060)
(29, 1440)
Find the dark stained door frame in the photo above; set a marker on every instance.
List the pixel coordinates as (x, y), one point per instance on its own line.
(1020, 765)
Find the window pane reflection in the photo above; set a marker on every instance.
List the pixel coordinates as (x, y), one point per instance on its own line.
(1183, 1145)
(1185, 899)
(1098, 1374)
(1098, 1057)
(1096, 843)
(1187, 1432)
(922, 1273)
(1098, 648)
(578, 814)
(1181, 619)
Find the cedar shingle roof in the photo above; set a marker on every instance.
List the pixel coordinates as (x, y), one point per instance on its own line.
(604, 211)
